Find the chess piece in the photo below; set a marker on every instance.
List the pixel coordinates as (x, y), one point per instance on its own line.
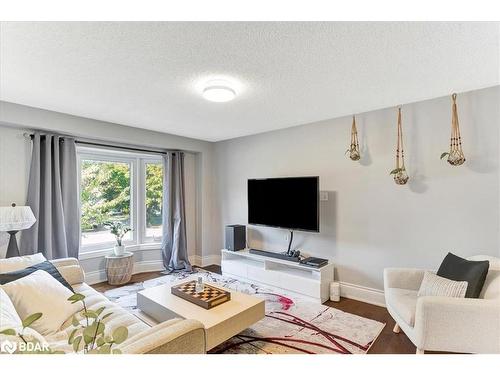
(199, 285)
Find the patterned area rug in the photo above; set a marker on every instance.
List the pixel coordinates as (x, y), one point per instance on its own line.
(293, 324)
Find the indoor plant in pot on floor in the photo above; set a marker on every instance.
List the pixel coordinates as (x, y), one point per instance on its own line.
(119, 230)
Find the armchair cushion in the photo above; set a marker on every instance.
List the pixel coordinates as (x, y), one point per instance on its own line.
(459, 269)
(404, 302)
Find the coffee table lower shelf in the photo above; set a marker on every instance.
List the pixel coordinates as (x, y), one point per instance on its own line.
(221, 322)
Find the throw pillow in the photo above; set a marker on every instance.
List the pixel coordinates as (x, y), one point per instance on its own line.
(10, 319)
(433, 285)
(45, 266)
(19, 263)
(40, 292)
(459, 269)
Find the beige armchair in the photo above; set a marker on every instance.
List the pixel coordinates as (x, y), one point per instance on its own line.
(463, 325)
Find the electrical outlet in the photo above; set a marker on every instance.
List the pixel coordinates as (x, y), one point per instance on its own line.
(323, 195)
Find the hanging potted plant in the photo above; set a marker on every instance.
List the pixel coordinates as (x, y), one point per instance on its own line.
(119, 230)
(354, 153)
(456, 156)
(400, 175)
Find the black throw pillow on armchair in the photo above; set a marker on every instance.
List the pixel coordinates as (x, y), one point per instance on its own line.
(460, 269)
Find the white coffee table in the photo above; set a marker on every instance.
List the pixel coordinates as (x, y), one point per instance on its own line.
(221, 322)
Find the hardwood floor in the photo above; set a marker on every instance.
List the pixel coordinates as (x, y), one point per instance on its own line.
(387, 343)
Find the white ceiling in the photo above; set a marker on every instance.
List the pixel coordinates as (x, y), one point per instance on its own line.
(148, 75)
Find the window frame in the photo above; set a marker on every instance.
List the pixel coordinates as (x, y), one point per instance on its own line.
(137, 162)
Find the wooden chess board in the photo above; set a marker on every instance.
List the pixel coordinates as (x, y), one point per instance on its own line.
(210, 297)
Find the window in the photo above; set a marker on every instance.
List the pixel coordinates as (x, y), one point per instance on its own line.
(120, 187)
(154, 200)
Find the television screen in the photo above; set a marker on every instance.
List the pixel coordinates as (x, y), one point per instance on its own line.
(290, 202)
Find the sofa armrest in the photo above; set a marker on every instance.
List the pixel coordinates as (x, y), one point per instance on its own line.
(170, 337)
(467, 325)
(403, 278)
(65, 262)
(70, 270)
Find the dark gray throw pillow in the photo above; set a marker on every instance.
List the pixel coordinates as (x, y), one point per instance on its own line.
(45, 266)
(460, 269)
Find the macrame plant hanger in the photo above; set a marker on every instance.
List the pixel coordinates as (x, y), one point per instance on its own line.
(400, 175)
(456, 155)
(354, 152)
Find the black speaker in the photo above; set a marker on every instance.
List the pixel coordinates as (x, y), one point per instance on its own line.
(236, 237)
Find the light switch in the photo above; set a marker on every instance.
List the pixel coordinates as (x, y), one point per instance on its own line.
(323, 195)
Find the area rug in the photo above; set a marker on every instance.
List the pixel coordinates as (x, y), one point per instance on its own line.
(293, 324)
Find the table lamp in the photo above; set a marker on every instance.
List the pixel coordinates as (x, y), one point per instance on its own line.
(12, 220)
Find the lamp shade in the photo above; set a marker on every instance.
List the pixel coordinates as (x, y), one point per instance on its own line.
(14, 218)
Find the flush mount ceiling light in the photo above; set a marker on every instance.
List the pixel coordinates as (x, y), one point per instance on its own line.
(218, 91)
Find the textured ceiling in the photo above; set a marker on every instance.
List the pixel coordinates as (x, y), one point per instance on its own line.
(148, 75)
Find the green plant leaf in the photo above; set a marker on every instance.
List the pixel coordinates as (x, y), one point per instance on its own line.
(87, 338)
(74, 321)
(106, 316)
(100, 310)
(72, 336)
(29, 320)
(100, 341)
(8, 332)
(394, 171)
(444, 154)
(76, 297)
(108, 339)
(117, 351)
(89, 314)
(76, 343)
(94, 330)
(120, 334)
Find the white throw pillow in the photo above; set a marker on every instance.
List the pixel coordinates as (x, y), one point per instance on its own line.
(10, 319)
(20, 263)
(40, 292)
(8, 314)
(434, 285)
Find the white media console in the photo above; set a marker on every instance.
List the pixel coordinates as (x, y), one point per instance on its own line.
(308, 281)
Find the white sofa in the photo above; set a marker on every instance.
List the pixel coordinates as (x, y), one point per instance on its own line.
(462, 325)
(173, 336)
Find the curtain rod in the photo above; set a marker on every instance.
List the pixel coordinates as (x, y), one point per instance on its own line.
(30, 136)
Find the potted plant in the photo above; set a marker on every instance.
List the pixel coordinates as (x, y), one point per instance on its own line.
(119, 230)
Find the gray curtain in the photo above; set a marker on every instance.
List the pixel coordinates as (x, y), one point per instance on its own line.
(174, 244)
(53, 197)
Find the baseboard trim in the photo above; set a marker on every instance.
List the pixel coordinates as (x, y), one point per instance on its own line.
(209, 260)
(99, 276)
(362, 293)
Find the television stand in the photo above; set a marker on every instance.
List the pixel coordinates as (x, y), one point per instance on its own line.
(274, 255)
(310, 282)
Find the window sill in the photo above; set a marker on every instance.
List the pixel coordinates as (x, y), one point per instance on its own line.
(92, 254)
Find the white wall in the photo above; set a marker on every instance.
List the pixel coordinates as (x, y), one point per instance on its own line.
(14, 170)
(15, 158)
(369, 222)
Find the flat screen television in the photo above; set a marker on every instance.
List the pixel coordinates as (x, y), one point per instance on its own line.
(288, 202)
